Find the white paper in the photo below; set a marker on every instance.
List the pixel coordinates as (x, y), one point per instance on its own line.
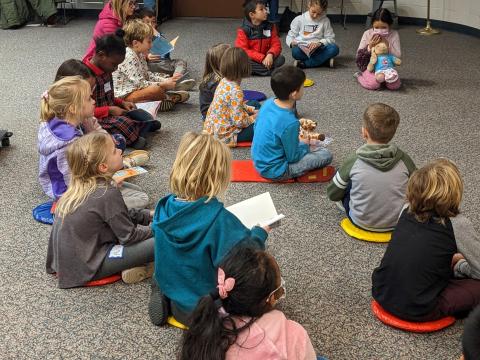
(116, 252)
(150, 107)
(258, 210)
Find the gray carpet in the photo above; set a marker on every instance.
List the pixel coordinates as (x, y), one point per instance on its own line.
(327, 273)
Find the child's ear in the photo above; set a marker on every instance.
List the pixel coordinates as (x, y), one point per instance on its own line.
(103, 168)
(365, 133)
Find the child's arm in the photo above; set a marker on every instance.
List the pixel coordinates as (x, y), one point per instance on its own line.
(407, 160)
(336, 189)
(242, 42)
(295, 28)
(468, 244)
(125, 230)
(328, 34)
(294, 149)
(239, 114)
(140, 216)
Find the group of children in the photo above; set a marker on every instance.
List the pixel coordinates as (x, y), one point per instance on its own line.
(209, 271)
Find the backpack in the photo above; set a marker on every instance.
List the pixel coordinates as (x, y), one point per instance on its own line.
(286, 19)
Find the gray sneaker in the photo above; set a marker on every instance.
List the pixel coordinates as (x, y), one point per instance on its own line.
(340, 206)
(185, 85)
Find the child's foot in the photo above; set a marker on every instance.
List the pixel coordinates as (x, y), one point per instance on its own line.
(299, 64)
(179, 96)
(137, 274)
(158, 306)
(340, 206)
(154, 126)
(331, 63)
(136, 158)
(166, 105)
(357, 74)
(140, 143)
(185, 85)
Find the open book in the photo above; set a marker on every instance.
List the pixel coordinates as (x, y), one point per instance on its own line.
(258, 210)
(123, 174)
(151, 107)
(162, 46)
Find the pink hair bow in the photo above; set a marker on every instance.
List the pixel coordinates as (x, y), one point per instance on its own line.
(224, 285)
(45, 95)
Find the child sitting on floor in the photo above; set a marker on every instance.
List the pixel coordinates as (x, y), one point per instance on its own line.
(382, 21)
(64, 108)
(94, 235)
(132, 79)
(370, 185)
(177, 68)
(228, 118)
(277, 151)
(211, 76)
(311, 37)
(111, 111)
(415, 279)
(193, 231)
(238, 319)
(259, 39)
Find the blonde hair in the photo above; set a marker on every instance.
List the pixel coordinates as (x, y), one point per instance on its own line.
(136, 30)
(84, 157)
(322, 3)
(381, 122)
(118, 7)
(65, 97)
(212, 63)
(235, 64)
(435, 190)
(202, 167)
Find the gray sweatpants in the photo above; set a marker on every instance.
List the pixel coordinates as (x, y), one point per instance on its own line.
(133, 196)
(168, 66)
(137, 254)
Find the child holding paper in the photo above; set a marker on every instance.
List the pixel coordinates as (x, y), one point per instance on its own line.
(94, 235)
(311, 37)
(193, 231)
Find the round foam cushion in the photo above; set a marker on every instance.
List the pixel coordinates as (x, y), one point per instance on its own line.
(43, 213)
(172, 321)
(360, 234)
(417, 327)
(105, 281)
(308, 83)
(253, 95)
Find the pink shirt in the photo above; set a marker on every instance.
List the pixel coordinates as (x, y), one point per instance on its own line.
(272, 337)
(393, 39)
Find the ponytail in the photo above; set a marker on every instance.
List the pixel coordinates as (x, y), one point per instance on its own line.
(46, 113)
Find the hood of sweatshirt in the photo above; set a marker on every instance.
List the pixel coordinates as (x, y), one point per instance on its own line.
(382, 157)
(55, 134)
(185, 222)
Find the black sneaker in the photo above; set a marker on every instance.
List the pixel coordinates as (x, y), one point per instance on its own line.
(158, 308)
(155, 125)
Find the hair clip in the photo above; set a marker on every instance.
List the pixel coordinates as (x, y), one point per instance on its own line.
(45, 95)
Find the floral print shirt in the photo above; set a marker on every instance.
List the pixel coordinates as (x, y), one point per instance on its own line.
(227, 114)
(133, 74)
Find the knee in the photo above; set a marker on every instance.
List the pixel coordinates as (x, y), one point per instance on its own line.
(296, 53)
(333, 50)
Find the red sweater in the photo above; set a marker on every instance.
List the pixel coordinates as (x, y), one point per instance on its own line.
(258, 41)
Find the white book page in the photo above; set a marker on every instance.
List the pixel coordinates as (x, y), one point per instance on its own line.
(151, 107)
(258, 210)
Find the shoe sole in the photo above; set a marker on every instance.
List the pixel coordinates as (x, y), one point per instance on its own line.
(166, 105)
(185, 85)
(137, 274)
(179, 96)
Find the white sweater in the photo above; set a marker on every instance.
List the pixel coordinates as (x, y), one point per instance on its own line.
(304, 29)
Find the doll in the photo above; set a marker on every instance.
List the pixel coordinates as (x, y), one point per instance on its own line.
(383, 63)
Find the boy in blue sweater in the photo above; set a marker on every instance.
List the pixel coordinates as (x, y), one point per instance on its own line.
(277, 151)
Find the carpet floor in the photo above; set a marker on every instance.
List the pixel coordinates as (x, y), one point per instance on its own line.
(328, 274)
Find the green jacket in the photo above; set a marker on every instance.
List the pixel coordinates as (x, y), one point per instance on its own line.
(15, 13)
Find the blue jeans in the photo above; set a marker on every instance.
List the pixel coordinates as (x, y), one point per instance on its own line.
(315, 159)
(319, 57)
(151, 4)
(273, 8)
(246, 134)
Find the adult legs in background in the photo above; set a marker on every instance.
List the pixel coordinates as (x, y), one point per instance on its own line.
(246, 134)
(367, 81)
(315, 159)
(273, 11)
(137, 254)
(133, 196)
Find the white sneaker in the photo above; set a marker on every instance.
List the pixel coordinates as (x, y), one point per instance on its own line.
(332, 63)
(185, 85)
(137, 274)
(296, 62)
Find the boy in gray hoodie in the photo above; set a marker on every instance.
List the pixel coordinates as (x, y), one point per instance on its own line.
(371, 183)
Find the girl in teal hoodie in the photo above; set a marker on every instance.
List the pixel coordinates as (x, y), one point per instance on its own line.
(193, 231)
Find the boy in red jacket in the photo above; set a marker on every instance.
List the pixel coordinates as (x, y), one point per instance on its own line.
(259, 39)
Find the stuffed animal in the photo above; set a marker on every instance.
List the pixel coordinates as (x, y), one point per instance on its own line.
(307, 127)
(383, 63)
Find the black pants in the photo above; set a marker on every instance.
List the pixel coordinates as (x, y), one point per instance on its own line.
(260, 69)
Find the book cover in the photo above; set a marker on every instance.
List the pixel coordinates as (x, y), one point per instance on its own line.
(123, 174)
(162, 46)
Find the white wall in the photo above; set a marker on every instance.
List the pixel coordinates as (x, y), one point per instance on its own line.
(466, 12)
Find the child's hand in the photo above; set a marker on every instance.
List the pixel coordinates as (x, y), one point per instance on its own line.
(293, 43)
(177, 76)
(116, 111)
(128, 105)
(267, 228)
(168, 84)
(153, 57)
(456, 258)
(268, 61)
(314, 45)
(118, 182)
(374, 41)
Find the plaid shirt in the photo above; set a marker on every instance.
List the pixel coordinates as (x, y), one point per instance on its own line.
(104, 97)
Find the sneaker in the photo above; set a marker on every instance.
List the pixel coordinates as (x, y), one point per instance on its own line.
(158, 308)
(155, 126)
(166, 105)
(140, 143)
(357, 74)
(332, 63)
(185, 85)
(178, 96)
(137, 274)
(296, 62)
(136, 158)
(340, 206)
